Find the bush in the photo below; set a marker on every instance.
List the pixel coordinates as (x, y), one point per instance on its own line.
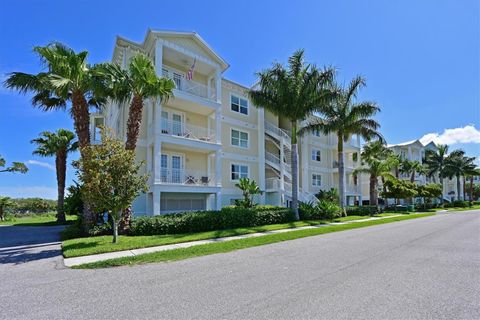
(457, 204)
(73, 231)
(227, 218)
(323, 210)
(362, 210)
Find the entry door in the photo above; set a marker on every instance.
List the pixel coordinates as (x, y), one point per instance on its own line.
(164, 168)
(177, 124)
(164, 124)
(176, 169)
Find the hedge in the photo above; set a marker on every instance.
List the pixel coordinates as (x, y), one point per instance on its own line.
(199, 221)
(361, 210)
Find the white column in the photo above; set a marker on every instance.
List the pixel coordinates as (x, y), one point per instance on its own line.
(218, 85)
(218, 200)
(157, 160)
(209, 87)
(218, 126)
(282, 166)
(156, 201)
(261, 153)
(218, 168)
(304, 162)
(159, 57)
(157, 118)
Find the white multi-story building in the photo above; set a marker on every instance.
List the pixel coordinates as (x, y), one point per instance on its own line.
(415, 151)
(197, 145)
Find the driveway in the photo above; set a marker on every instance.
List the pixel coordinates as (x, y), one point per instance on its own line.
(426, 268)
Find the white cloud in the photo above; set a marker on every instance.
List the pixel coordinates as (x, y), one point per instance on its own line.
(41, 164)
(467, 134)
(28, 192)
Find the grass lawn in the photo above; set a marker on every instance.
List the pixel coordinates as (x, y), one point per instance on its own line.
(36, 220)
(102, 244)
(477, 207)
(201, 250)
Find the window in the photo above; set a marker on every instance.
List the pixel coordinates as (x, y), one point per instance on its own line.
(316, 155)
(239, 171)
(239, 139)
(316, 180)
(239, 105)
(316, 132)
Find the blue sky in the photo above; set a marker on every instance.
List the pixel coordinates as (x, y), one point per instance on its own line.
(420, 58)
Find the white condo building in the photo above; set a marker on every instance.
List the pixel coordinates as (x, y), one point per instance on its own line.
(198, 144)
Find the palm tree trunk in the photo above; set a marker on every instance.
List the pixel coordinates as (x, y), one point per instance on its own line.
(61, 166)
(385, 199)
(81, 122)
(397, 174)
(464, 189)
(341, 174)
(458, 187)
(133, 122)
(441, 182)
(373, 187)
(2, 216)
(471, 188)
(294, 158)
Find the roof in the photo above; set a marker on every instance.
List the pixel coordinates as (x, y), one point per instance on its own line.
(412, 142)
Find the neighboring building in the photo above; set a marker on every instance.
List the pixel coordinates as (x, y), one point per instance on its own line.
(198, 144)
(415, 151)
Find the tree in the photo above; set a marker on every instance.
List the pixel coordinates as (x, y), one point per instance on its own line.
(110, 178)
(378, 162)
(429, 191)
(67, 78)
(73, 200)
(15, 167)
(293, 92)
(458, 165)
(328, 195)
(344, 117)
(435, 163)
(249, 189)
(58, 144)
(474, 172)
(399, 189)
(5, 202)
(134, 85)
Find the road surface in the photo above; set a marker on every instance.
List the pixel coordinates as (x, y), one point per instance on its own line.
(426, 268)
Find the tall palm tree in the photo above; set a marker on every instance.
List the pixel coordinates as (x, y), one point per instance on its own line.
(411, 168)
(344, 117)
(58, 144)
(435, 163)
(293, 92)
(458, 165)
(378, 162)
(474, 172)
(134, 85)
(67, 79)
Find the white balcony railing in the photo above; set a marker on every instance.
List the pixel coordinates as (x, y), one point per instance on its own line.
(186, 177)
(271, 128)
(187, 131)
(189, 86)
(276, 161)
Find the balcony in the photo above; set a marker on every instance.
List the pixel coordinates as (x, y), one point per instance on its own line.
(187, 131)
(277, 133)
(189, 86)
(187, 177)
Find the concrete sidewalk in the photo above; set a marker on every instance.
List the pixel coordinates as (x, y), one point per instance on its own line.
(70, 262)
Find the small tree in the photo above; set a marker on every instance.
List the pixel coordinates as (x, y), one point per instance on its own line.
(429, 191)
(110, 178)
(399, 189)
(4, 203)
(73, 200)
(249, 189)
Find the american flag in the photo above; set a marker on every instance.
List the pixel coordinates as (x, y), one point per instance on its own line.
(189, 75)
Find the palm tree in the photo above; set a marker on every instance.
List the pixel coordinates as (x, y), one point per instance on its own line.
(411, 168)
(472, 174)
(458, 165)
(378, 162)
(67, 78)
(15, 167)
(58, 144)
(5, 202)
(343, 117)
(293, 92)
(249, 188)
(435, 163)
(135, 84)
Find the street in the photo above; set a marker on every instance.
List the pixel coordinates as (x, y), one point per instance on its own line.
(427, 268)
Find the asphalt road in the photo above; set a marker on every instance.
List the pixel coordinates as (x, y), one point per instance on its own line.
(427, 268)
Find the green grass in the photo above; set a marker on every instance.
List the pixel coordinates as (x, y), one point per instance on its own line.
(222, 247)
(476, 207)
(39, 220)
(102, 244)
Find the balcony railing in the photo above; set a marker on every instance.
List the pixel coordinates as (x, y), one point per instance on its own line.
(276, 161)
(187, 131)
(189, 86)
(270, 127)
(186, 177)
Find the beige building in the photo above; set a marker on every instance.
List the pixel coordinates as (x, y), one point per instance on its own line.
(197, 145)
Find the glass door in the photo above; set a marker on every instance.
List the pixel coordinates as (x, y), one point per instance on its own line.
(177, 124)
(164, 124)
(164, 168)
(176, 169)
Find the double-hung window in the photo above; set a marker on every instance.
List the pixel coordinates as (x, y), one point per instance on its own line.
(316, 155)
(239, 139)
(239, 171)
(239, 105)
(316, 180)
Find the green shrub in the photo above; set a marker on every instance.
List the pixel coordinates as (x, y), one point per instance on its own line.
(73, 231)
(460, 204)
(362, 210)
(227, 218)
(323, 210)
(329, 210)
